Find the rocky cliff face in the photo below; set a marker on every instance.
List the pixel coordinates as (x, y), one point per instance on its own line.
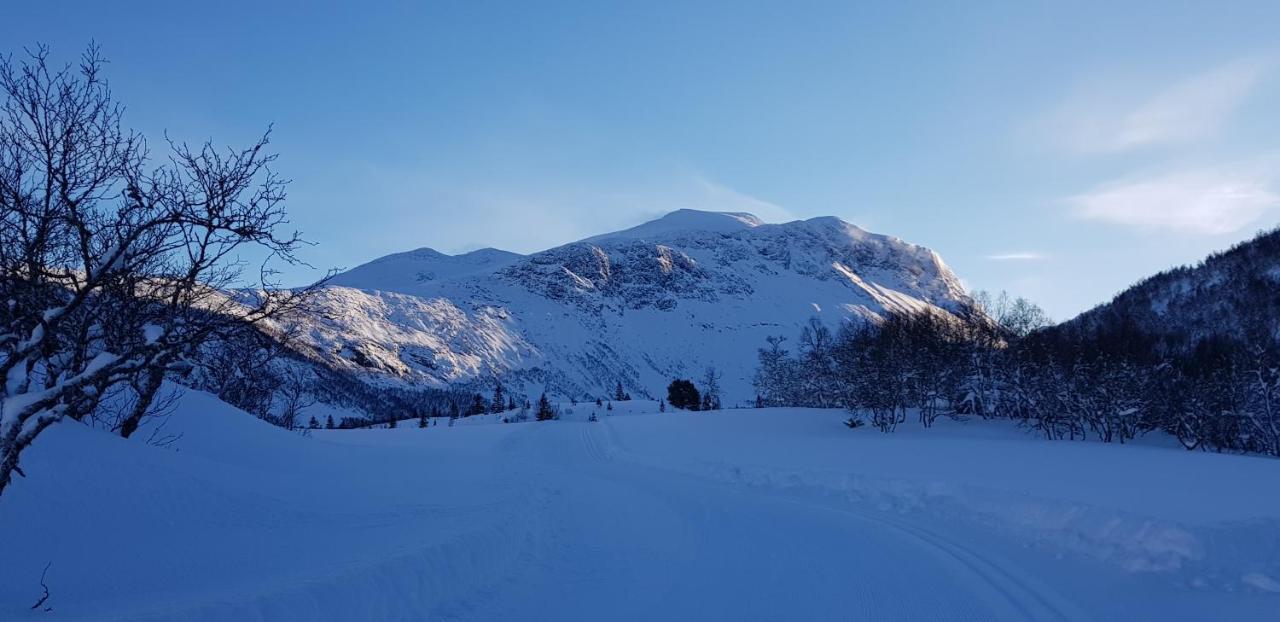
(641, 306)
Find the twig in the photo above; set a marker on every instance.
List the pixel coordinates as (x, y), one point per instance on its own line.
(44, 598)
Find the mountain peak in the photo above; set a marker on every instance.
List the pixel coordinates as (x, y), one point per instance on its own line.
(684, 220)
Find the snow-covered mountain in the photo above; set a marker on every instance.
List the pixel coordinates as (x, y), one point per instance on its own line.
(641, 306)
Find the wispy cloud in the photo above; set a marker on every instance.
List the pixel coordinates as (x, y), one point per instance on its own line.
(721, 198)
(1018, 256)
(1192, 109)
(1204, 202)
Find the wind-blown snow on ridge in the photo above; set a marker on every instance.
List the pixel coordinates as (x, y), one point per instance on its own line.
(664, 299)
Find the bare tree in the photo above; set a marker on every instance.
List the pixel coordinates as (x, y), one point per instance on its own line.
(114, 268)
(711, 389)
(1020, 317)
(294, 397)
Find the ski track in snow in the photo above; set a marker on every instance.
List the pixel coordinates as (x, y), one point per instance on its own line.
(629, 518)
(1012, 592)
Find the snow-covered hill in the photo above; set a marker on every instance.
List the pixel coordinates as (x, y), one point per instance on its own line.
(665, 299)
(774, 514)
(1232, 295)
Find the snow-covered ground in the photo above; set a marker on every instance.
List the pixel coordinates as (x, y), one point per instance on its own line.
(776, 514)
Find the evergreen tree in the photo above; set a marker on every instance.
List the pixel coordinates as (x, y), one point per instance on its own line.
(618, 394)
(391, 424)
(545, 412)
(328, 423)
(499, 399)
(610, 407)
(662, 406)
(478, 406)
(599, 402)
(313, 424)
(682, 394)
(511, 403)
(422, 420)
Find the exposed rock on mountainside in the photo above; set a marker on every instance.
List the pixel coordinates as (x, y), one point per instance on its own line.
(667, 298)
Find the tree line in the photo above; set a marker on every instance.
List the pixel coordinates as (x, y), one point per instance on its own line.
(1000, 359)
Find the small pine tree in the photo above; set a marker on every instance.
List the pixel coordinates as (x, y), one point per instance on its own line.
(422, 420)
(545, 412)
(391, 424)
(610, 406)
(662, 406)
(511, 403)
(499, 399)
(599, 402)
(759, 401)
(478, 406)
(328, 423)
(313, 424)
(618, 394)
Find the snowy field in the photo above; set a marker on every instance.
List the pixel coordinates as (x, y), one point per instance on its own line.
(776, 514)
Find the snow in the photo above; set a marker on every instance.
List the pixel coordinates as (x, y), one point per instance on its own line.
(662, 300)
(773, 514)
(684, 221)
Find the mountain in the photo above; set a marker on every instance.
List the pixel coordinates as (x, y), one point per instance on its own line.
(665, 299)
(1232, 295)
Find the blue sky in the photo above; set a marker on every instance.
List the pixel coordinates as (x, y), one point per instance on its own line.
(1061, 152)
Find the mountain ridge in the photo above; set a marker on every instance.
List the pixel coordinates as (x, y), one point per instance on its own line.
(666, 298)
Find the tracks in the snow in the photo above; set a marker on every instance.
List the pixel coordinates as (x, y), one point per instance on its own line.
(1011, 592)
(1017, 594)
(596, 448)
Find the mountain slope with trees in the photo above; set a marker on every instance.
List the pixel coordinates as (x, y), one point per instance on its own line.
(1232, 295)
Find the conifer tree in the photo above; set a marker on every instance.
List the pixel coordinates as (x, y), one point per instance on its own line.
(499, 399)
(328, 423)
(313, 424)
(682, 394)
(545, 412)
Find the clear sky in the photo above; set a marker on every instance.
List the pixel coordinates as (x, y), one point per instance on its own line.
(1059, 151)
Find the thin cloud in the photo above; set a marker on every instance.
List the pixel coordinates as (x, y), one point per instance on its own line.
(1190, 110)
(1020, 256)
(1203, 202)
(721, 198)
